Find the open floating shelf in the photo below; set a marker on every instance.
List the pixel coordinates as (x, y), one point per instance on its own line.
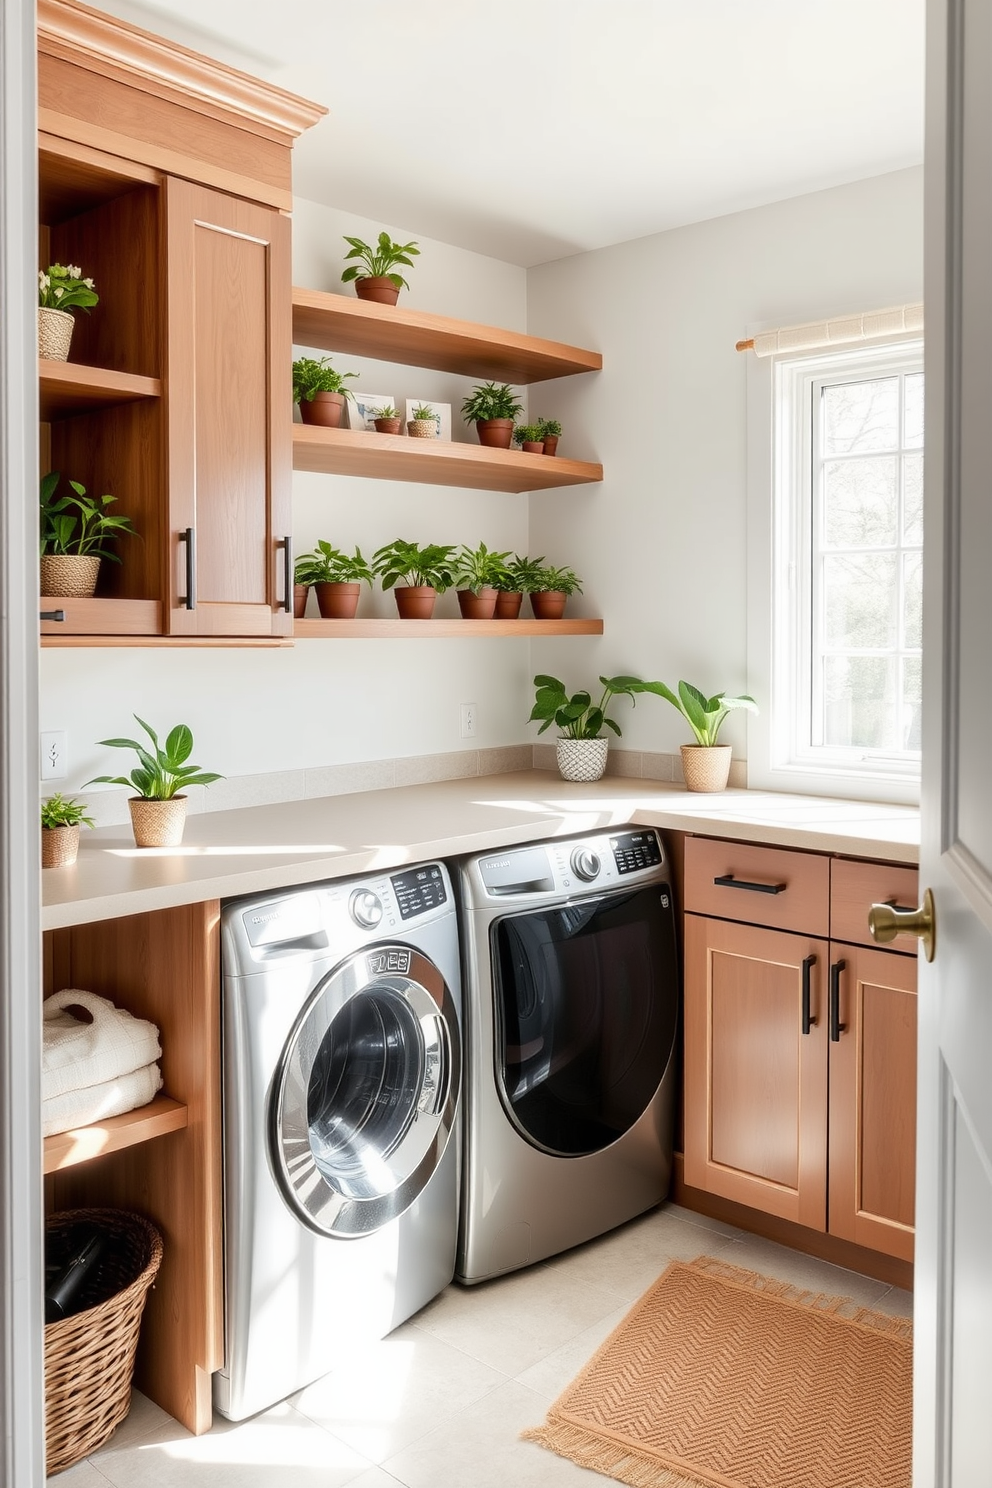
(83, 1143)
(433, 629)
(66, 388)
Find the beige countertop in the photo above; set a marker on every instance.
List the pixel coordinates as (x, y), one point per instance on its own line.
(258, 848)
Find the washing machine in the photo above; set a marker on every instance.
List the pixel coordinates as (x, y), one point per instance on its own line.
(572, 994)
(342, 1074)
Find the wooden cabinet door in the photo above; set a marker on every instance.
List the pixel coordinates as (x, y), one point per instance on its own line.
(229, 415)
(755, 1079)
(873, 1101)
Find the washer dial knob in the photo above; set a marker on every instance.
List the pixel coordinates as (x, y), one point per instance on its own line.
(585, 864)
(366, 908)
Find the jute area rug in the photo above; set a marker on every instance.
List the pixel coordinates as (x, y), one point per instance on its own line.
(723, 1378)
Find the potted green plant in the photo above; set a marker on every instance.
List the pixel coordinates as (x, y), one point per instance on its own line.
(158, 807)
(75, 531)
(336, 578)
(387, 420)
(492, 407)
(320, 391)
(61, 818)
(549, 432)
(61, 289)
(529, 437)
(475, 573)
(705, 764)
(426, 571)
(515, 579)
(582, 748)
(373, 275)
(423, 425)
(550, 592)
(302, 584)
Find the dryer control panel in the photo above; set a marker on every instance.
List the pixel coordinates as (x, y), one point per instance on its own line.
(419, 890)
(551, 869)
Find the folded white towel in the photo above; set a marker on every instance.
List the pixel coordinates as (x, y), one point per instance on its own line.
(77, 1054)
(97, 1102)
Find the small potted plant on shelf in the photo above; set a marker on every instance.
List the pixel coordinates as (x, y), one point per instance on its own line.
(423, 425)
(158, 807)
(320, 391)
(705, 764)
(492, 407)
(549, 432)
(582, 748)
(529, 437)
(61, 289)
(373, 275)
(512, 582)
(75, 530)
(387, 420)
(549, 590)
(476, 571)
(61, 818)
(337, 579)
(426, 571)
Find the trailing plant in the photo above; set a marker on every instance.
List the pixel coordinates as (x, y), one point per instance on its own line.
(63, 811)
(161, 772)
(521, 575)
(62, 287)
(705, 716)
(388, 412)
(422, 411)
(547, 427)
(491, 400)
(377, 262)
(577, 716)
(78, 525)
(311, 377)
(527, 434)
(327, 565)
(430, 565)
(478, 568)
(557, 580)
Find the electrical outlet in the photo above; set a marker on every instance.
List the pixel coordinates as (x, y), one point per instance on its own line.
(54, 761)
(468, 711)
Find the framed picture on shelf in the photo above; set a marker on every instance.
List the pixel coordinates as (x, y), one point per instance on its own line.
(441, 412)
(362, 409)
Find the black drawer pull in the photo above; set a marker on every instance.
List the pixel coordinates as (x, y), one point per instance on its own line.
(808, 1019)
(189, 538)
(728, 881)
(903, 908)
(836, 1026)
(52, 615)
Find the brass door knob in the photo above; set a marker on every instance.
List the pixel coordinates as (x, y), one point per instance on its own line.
(885, 922)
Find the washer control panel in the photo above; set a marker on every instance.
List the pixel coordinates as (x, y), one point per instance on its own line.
(633, 851)
(419, 890)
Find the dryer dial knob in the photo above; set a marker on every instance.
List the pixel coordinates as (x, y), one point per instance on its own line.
(585, 864)
(366, 908)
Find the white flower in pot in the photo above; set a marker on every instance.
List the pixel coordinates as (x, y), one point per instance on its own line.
(61, 289)
(705, 764)
(158, 807)
(581, 749)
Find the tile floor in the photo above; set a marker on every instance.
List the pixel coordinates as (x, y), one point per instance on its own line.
(442, 1401)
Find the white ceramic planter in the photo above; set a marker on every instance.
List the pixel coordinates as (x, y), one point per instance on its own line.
(582, 759)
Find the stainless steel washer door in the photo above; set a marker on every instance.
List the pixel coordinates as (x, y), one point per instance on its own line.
(364, 1100)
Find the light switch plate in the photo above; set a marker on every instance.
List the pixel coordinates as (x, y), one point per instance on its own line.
(54, 755)
(468, 712)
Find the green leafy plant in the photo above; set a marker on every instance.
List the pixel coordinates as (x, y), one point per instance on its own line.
(478, 568)
(520, 575)
(556, 580)
(377, 262)
(577, 716)
(311, 377)
(327, 565)
(161, 772)
(388, 412)
(63, 811)
(704, 715)
(548, 427)
(78, 525)
(416, 565)
(527, 434)
(491, 400)
(423, 412)
(62, 287)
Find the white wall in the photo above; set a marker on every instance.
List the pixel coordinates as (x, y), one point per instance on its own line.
(662, 543)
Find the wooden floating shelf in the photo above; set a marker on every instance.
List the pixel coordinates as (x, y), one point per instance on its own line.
(83, 1143)
(337, 322)
(433, 629)
(436, 462)
(66, 388)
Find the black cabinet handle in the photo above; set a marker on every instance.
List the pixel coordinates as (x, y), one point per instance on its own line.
(836, 1026)
(728, 881)
(903, 908)
(52, 615)
(189, 538)
(808, 1019)
(287, 561)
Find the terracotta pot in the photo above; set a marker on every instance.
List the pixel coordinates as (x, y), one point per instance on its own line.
(582, 759)
(157, 823)
(497, 433)
(533, 446)
(300, 592)
(415, 601)
(54, 333)
(706, 767)
(550, 443)
(337, 601)
(422, 428)
(388, 426)
(548, 604)
(380, 288)
(324, 409)
(59, 846)
(69, 575)
(481, 606)
(508, 604)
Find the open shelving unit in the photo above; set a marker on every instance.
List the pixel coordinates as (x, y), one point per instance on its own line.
(69, 1148)
(435, 629)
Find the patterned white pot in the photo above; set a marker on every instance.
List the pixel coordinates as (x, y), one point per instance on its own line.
(582, 759)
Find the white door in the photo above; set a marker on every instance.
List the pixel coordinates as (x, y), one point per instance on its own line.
(953, 1352)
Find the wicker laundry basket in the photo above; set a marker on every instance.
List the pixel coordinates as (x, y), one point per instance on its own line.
(89, 1357)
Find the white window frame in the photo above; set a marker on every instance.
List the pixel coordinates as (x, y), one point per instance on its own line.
(780, 474)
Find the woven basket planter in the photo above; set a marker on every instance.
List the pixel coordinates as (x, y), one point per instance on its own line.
(54, 333)
(89, 1358)
(421, 428)
(69, 575)
(706, 767)
(157, 823)
(582, 759)
(59, 846)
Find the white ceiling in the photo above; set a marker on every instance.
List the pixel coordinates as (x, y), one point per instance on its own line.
(532, 129)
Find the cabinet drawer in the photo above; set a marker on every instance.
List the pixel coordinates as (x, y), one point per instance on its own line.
(854, 887)
(759, 885)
